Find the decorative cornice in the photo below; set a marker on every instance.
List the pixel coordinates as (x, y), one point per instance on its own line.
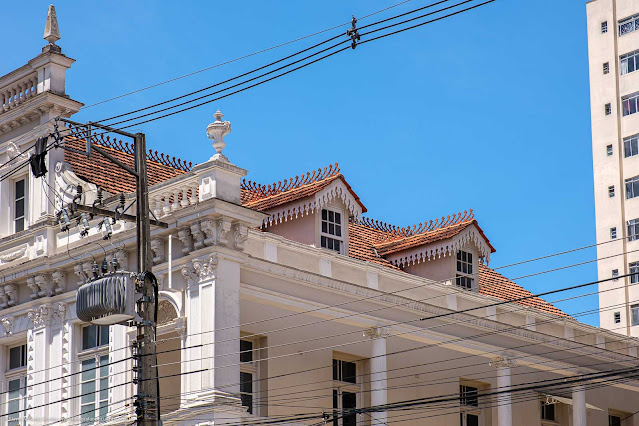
(502, 362)
(443, 248)
(378, 332)
(200, 269)
(305, 206)
(13, 253)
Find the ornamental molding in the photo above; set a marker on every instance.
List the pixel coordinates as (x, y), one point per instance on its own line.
(185, 237)
(7, 325)
(378, 332)
(448, 247)
(14, 253)
(40, 316)
(405, 303)
(201, 269)
(502, 362)
(58, 313)
(335, 191)
(58, 278)
(157, 247)
(166, 312)
(66, 184)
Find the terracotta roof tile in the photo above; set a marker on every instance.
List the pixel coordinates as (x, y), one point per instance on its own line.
(492, 283)
(360, 244)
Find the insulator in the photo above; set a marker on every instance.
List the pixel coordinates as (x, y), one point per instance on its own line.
(83, 225)
(108, 230)
(64, 220)
(105, 266)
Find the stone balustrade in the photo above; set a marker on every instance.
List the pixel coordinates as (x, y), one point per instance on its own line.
(18, 91)
(178, 194)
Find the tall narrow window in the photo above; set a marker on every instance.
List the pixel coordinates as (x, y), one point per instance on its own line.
(608, 109)
(19, 206)
(604, 27)
(94, 388)
(609, 150)
(615, 274)
(614, 420)
(547, 411)
(634, 311)
(632, 187)
(611, 191)
(606, 67)
(613, 233)
(464, 276)
(17, 386)
(631, 146)
(634, 270)
(469, 405)
(248, 372)
(633, 229)
(331, 235)
(345, 391)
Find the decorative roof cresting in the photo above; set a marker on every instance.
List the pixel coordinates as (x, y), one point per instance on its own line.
(216, 131)
(51, 29)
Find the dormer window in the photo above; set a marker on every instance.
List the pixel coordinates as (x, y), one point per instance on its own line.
(19, 205)
(331, 236)
(464, 276)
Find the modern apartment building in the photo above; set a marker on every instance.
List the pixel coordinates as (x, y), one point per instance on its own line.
(613, 50)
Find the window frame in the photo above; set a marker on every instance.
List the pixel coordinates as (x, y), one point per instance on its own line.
(630, 57)
(255, 368)
(249, 367)
(327, 235)
(21, 375)
(615, 274)
(341, 387)
(609, 150)
(470, 409)
(544, 421)
(604, 27)
(632, 184)
(606, 68)
(462, 277)
(633, 20)
(629, 104)
(611, 191)
(631, 146)
(633, 269)
(613, 233)
(97, 354)
(634, 314)
(25, 203)
(23, 356)
(632, 227)
(608, 109)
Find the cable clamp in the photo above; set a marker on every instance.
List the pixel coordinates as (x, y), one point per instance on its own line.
(353, 33)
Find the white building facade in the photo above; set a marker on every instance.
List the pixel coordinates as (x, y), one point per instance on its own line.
(279, 304)
(613, 47)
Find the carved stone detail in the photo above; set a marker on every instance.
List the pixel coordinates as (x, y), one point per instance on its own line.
(209, 228)
(166, 312)
(45, 285)
(190, 275)
(180, 326)
(184, 235)
(3, 298)
(31, 283)
(58, 279)
(502, 362)
(378, 332)
(157, 246)
(240, 235)
(11, 291)
(123, 260)
(58, 313)
(40, 316)
(223, 227)
(198, 236)
(7, 324)
(205, 268)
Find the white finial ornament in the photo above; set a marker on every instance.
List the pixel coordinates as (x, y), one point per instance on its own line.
(51, 29)
(216, 131)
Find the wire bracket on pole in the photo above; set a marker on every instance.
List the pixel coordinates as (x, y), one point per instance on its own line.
(352, 33)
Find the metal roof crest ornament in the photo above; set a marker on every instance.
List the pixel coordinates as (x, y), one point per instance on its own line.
(216, 131)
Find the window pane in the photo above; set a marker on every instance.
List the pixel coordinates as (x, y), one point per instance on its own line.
(246, 349)
(349, 372)
(349, 401)
(246, 390)
(20, 189)
(335, 401)
(324, 227)
(335, 369)
(104, 335)
(331, 229)
(472, 420)
(89, 337)
(338, 218)
(323, 242)
(331, 216)
(15, 357)
(338, 230)
(324, 214)
(19, 208)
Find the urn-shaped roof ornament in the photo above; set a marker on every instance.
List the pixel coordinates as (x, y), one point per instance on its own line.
(51, 29)
(216, 131)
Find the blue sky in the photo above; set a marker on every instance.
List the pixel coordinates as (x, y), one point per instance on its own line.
(486, 110)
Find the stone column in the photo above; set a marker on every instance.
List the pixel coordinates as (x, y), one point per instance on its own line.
(579, 405)
(181, 328)
(38, 338)
(504, 408)
(378, 367)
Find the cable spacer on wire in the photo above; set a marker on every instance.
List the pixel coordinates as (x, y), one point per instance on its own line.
(352, 33)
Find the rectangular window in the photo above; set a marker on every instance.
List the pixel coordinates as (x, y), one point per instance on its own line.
(345, 390)
(634, 311)
(633, 229)
(629, 103)
(634, 270)
(19, 206)
(94, 336)
(631, 146)
(609, 150)
(608, 109)
(617, 317)
(94, 388)
(18, 357)
(613, 233)
(615, 273)
(469, 402)
(632, 187)
(468, 396)
(248, 370)
(17, 402)
(629, 62)
(331, 235)
(611, 191)
(614, 420)
(628, 25)
(606, 67)
(604, 27)
(464, 268)
(547, 411)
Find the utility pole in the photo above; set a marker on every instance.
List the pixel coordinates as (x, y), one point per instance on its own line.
(148, 398)
(147, 402)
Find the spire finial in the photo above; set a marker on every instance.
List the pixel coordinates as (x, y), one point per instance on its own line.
(51, 29)
(216, 131)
